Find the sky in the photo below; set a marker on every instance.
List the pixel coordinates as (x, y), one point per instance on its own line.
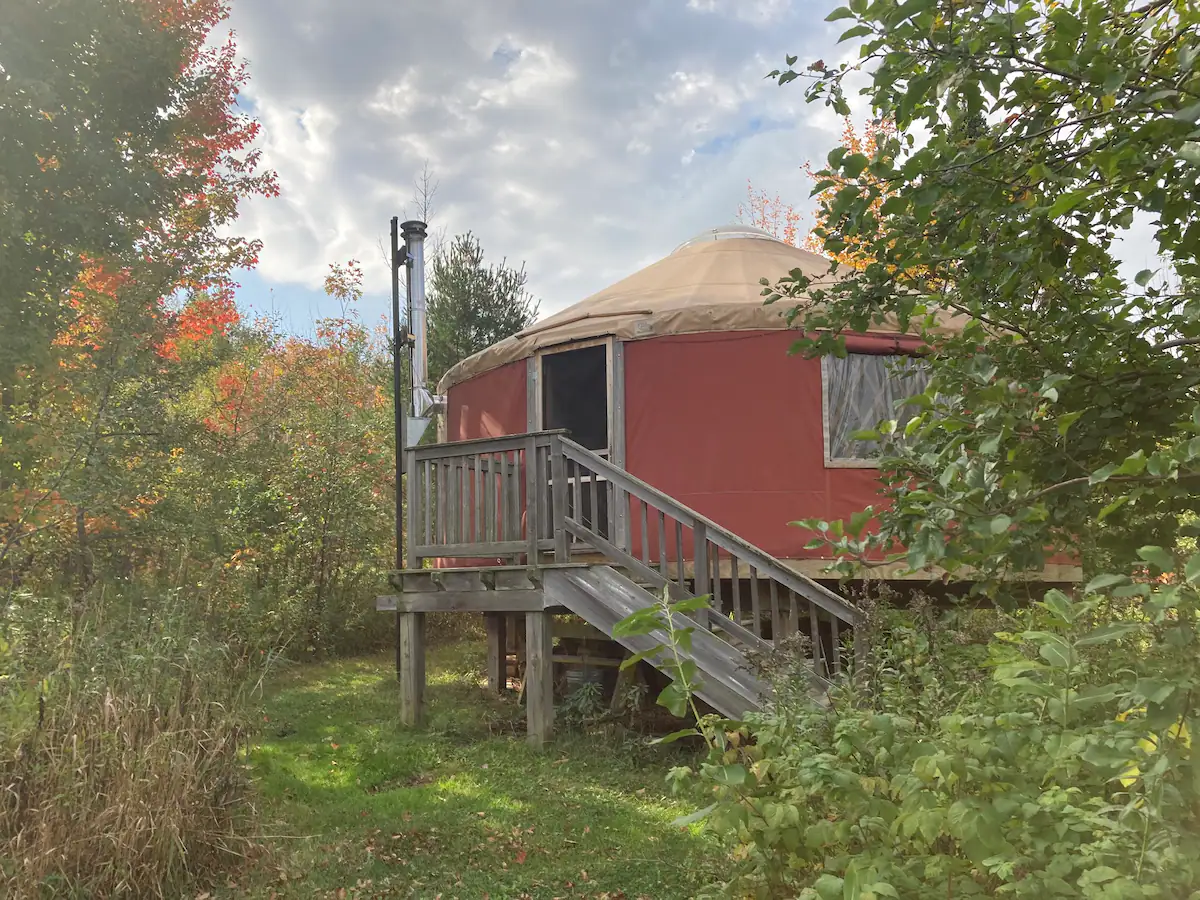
(584, 139)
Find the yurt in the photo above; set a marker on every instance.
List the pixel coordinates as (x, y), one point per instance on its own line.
(680, 374)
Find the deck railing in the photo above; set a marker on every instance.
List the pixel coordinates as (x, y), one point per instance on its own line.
(483, 500)
(471, 499)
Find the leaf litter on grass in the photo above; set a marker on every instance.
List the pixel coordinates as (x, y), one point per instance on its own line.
(461, 808)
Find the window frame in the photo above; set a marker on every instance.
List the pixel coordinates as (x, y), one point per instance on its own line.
(832, 462)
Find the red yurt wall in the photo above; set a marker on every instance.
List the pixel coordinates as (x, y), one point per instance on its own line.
(730, 425)
(489, 405)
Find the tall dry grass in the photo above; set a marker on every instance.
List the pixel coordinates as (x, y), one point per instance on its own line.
(122, 739)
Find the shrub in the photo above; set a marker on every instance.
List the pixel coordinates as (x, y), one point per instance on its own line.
(121, 757)
(1030, 763)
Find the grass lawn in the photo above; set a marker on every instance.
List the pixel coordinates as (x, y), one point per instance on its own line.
(358, 807)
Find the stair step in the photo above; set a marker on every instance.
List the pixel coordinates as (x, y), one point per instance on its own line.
(603, 597)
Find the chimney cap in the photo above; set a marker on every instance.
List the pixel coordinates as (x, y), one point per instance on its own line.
(414, 227)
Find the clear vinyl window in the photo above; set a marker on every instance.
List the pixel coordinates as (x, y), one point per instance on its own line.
(861, 390)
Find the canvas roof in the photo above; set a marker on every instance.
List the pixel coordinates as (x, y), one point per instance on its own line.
(708, 284)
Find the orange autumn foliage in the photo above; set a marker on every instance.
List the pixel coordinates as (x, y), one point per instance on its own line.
(214, 164)
(875, 133)
(770, 214)
(96, 295)
(327, 375)
(156, 290)
(781, 219)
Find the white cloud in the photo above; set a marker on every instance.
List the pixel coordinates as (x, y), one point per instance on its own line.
(758, 11)
(584, 138)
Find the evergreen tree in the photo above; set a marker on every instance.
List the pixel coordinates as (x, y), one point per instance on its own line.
(472, 305)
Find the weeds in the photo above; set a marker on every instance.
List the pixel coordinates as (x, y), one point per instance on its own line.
(122, 760)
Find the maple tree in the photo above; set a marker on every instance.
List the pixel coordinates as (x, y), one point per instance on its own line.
(122, 149)
(853, 250)
(771, 214)
(125, 158)
(781, 219)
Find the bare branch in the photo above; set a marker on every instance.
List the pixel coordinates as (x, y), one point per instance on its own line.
(1178, 342)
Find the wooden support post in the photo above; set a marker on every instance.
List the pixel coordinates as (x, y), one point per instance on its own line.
(412, 667)
(539, 677)
(626, 678)
(518, 630)
(497, 649)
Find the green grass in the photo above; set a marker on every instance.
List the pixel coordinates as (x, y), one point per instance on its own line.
(355, 803)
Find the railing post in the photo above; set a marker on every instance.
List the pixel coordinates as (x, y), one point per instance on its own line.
(700, 567)
(818, 652)
(558, 499)
(610, 512)
(532, 526)
(860, 654)
(414, 495)
(619, 517)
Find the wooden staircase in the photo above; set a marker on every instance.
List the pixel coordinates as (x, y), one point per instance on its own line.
(604, 597)
(538, 524)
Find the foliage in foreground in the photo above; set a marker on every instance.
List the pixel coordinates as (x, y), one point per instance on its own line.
(1062, 414)
(1036, 755)
(1062, 418)
(122, 743)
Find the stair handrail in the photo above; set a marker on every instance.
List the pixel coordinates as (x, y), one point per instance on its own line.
(762, 561)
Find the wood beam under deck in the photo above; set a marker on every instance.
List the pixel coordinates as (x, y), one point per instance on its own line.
(539, 678)
(491, 589)
(411, 634)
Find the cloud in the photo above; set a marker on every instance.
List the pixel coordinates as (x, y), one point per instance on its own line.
(584, 138)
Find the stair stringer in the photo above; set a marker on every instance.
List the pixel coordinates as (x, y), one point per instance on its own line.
(603, 597)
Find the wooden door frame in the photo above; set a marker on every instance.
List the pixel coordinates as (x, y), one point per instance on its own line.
(614, 364)
(535, 379)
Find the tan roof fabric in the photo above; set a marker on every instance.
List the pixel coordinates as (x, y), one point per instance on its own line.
(704, 286)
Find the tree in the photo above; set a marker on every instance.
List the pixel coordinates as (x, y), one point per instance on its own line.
(770, 214)
(290, 473)
(472, 305)
(118, 139)
(1036, 433)
(856, 253)
(1040, 749)
(124, 158)
(1063, 412)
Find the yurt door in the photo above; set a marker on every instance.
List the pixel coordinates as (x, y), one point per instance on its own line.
(575, 393)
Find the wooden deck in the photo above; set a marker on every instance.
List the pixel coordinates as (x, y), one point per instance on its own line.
(517, 513)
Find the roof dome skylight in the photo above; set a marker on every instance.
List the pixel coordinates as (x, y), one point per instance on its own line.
(726, 232)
